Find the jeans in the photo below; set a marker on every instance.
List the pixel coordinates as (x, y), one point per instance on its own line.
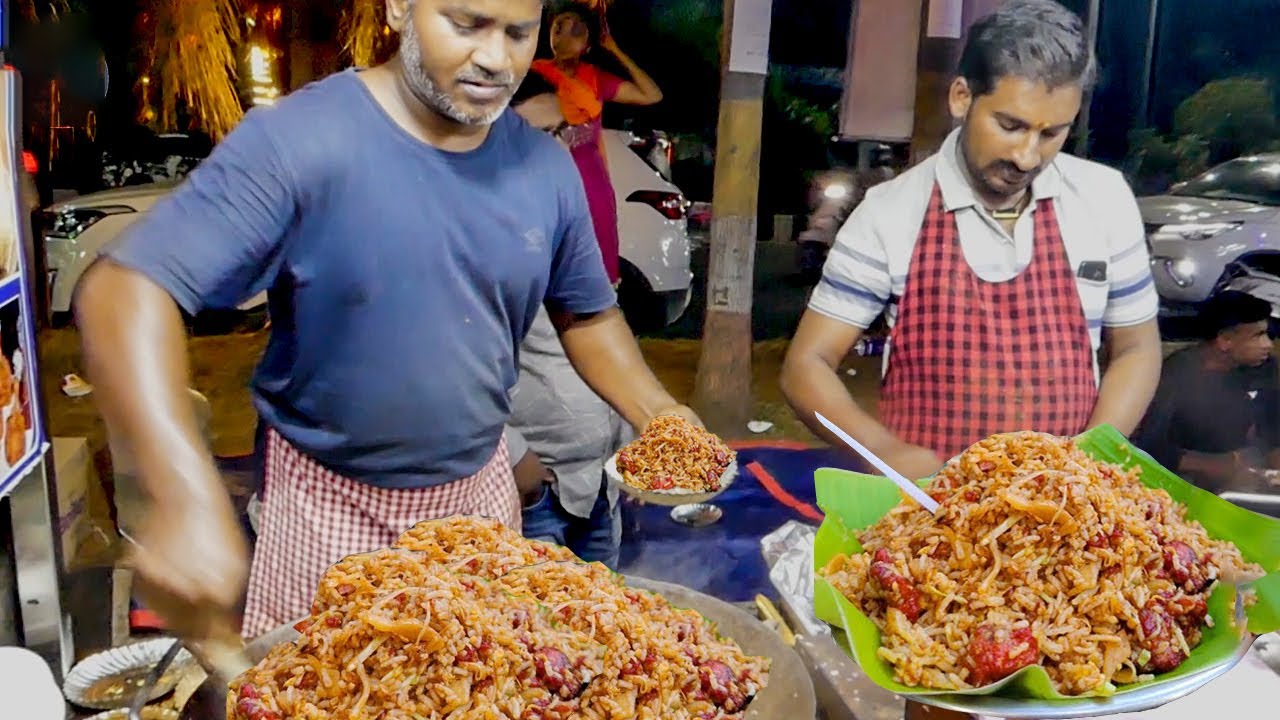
(594, 539)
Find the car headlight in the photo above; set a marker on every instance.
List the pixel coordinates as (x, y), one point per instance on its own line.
(1199, 231)
(1181, 270)
(70, 224)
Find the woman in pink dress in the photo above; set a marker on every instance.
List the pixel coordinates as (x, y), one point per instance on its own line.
(575, 110)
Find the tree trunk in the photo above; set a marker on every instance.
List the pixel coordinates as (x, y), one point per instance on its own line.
(722, 391)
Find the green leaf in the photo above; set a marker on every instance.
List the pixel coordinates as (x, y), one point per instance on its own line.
(853, 502)
(1257, 536)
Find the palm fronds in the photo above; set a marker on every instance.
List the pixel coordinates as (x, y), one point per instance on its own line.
(364, 31)
(193, 59)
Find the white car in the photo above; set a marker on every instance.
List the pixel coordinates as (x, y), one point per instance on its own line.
(1200, 228)
(652, 220)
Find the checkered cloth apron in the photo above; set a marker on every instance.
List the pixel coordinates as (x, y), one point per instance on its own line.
(312, 518)
(971, 358)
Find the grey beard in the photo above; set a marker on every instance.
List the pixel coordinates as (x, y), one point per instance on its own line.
(428, 93)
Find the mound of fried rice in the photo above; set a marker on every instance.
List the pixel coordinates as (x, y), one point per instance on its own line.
(478, 546)
(441, 648)
(660, 661)
(468, 620)
(1038, 555)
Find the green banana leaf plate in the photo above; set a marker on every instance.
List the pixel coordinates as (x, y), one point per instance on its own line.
(853, 502)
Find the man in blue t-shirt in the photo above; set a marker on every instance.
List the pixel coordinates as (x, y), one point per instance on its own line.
(408, 228)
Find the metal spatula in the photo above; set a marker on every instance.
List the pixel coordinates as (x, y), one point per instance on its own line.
(153, 677)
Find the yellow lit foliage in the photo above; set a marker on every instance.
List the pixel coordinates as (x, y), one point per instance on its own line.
(193, 58)
(364, 30)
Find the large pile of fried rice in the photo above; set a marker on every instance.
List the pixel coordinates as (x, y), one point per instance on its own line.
(467, 620)
(1038, 555)
(661, 661)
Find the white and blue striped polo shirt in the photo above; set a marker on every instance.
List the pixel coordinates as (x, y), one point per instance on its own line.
(1097, 214)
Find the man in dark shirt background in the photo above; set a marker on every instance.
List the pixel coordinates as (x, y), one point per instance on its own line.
(1215, 419)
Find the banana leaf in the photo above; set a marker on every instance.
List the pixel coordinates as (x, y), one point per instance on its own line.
(853, 502)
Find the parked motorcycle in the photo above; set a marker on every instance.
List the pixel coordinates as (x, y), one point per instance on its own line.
(833, 197)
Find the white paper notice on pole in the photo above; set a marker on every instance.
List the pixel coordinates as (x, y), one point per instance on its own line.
(749, 46)
(946, 19)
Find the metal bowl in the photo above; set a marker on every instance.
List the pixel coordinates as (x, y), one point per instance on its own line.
(696, 515)
(669, 498)
(109, 679)
(788, 694)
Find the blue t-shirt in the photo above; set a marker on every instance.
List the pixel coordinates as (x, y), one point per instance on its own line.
(401, 277)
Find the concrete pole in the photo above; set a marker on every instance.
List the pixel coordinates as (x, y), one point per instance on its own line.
(1148, 64)
(941, 31)
(1082, 124)
(722, 388)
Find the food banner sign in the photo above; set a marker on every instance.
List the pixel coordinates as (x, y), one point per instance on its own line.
(21, 433)
(854, 502)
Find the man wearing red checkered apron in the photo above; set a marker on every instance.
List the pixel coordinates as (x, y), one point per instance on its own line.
(1003, 267)
(408, 228)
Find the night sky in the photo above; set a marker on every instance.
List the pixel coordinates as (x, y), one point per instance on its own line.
(1198, 41)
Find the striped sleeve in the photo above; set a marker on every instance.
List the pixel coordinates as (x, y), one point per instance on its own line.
(856, 282)
(1131, 298)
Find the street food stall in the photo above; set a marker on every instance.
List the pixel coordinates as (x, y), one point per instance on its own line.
(766, 677)
(461, 613)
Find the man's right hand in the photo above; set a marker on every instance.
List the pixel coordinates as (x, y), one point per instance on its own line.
(913, 461)
(531, 475)
(192, 563)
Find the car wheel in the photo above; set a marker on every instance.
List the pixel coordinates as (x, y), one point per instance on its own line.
(645, 310)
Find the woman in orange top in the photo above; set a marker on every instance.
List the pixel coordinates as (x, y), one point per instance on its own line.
(581, 91)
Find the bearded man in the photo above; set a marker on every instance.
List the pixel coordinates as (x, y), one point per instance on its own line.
(408, 228)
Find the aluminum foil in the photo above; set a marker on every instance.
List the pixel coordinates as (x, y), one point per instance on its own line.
(788, 551)
(843, 690)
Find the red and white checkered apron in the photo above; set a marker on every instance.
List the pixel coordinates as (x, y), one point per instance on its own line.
(312, 518)
(971, 358)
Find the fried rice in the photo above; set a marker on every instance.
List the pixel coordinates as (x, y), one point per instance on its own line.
(477, 546)
(1038, 555)
(355, 582)
(444, 648)
(660, 662)
(673, 455)
(460, 624)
